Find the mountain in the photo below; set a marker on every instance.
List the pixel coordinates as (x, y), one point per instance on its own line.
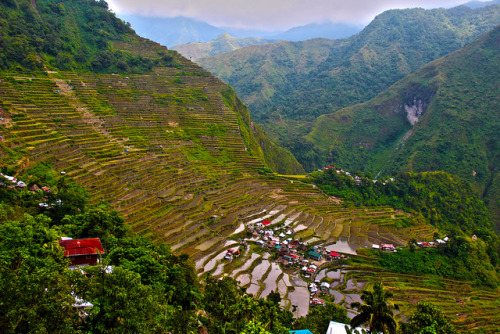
(479, 4)
(227, 43)
(445, 116)
(104, 134)
(222, 44)
(318, 30)
(287, 85)
(172, 31)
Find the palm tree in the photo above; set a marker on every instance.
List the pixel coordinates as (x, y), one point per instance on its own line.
(376, 310)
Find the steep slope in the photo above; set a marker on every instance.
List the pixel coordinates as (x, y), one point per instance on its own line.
(287, 85)
(445, 116)
(170, 148)
(222, 44)
(174, 150)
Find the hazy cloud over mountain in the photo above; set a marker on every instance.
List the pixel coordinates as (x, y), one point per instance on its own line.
(271, 14)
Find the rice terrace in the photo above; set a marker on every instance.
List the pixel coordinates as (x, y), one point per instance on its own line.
(174, 151)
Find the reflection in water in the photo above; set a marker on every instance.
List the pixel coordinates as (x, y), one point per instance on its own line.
(352, 297)
(244, 279)
(299, 298)
(339, 296)
(297, 281)
(342, 246)
(350, 285)
(259, 271)
(253, 289)
(211, 264)
(270, 281)
(219, 270)
(247, 264)
(335, 274)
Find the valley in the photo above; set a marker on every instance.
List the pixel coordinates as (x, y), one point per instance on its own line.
(116, 137)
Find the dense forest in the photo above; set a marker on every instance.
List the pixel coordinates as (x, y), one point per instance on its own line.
(456, 130)
(287, 85)
(39, 37)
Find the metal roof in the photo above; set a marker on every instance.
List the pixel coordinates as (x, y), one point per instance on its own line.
(78, 247)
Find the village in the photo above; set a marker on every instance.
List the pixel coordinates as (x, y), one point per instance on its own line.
(310, 265)
(314, 270)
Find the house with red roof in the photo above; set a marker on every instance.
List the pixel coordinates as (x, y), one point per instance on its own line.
(82, 252)
(333, 256)
(388, 248)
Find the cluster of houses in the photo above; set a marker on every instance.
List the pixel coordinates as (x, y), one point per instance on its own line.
(231, 253)
(278, 239)
(422, 244)
(295, 253)
(14, 182)
(357, 179)
(385, 247)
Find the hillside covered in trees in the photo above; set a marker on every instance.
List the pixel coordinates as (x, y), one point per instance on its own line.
(287, 85)
(137, 146)
(443, 117)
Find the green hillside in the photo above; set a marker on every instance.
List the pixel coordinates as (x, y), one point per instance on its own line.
(85, 36)
(443, 117)
(155, 156)
(222, 44)
(287, 85)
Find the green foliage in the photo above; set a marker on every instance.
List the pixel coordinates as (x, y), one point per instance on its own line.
(35, 285)
(231, 310)
(69, 35)
(376, 310)
(256, 142)
(318, 318)
(460, 258)
(446, 201)
(123, 304)
(427, 319)
(299, 81)
(457, 131)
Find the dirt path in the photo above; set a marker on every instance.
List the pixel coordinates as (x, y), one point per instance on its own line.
(88, 116)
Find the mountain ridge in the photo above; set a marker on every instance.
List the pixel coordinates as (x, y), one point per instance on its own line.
(222, 44)
(288, 84)
(431, 120)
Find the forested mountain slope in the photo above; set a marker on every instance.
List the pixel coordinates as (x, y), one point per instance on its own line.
(134, 144)
(85, 36)
(287, 85)
(446, 116)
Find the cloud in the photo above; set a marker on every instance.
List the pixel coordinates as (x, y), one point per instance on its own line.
(271, 14)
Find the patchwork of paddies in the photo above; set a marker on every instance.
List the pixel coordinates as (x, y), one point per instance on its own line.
(165, 150)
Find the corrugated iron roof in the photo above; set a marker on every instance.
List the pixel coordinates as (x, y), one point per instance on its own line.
(76, 247)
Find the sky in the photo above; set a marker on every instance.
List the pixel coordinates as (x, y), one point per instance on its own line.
(271, 14)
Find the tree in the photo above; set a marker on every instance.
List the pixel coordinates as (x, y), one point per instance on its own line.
(122, 304)
(35, 285)
(427, 319)
(231, 310)
(318, 319)
(376, 310)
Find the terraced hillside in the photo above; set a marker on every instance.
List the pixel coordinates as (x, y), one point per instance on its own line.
(165, 150)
